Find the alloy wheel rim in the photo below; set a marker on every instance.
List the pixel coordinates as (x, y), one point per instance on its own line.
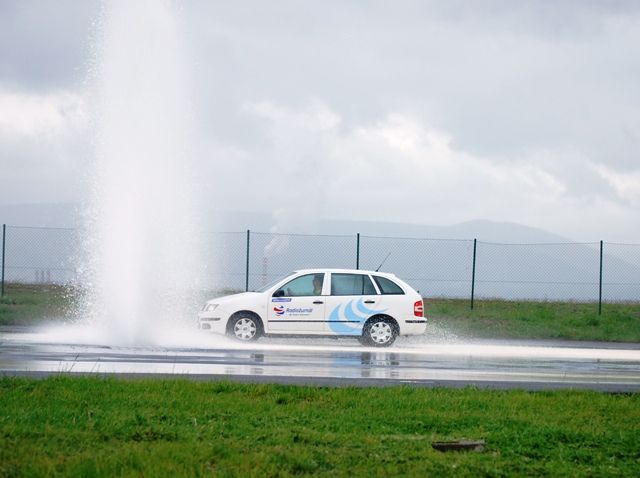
(381, 332)
(245, 329)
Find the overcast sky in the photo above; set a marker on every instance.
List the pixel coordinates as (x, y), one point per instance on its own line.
(411, 111)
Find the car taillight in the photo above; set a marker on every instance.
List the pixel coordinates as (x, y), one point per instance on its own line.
(418, 309)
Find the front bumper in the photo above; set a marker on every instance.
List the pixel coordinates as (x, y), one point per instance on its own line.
(212, 322)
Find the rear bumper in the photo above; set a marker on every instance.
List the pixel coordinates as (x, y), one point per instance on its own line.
(413, 326)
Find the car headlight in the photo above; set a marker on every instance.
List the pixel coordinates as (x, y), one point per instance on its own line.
(209, 307)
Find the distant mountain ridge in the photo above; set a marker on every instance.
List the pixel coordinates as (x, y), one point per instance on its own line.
(68, 215)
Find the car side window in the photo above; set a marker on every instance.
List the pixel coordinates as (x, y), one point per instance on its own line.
(388, 287)
(351, 284)
(306, 285)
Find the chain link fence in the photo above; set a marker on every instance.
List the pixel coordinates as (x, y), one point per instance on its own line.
(538, 271)
(445, 268)
(621, 272)
(36, 255)
(435, 267)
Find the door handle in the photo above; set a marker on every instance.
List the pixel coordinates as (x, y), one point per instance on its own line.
(369, 301)
(318, 302)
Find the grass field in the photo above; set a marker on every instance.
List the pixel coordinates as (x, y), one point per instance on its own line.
(66, 426)
(25, 304)
(536, 320)
(34, 304)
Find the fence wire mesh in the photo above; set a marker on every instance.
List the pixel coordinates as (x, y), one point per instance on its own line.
(273, 255)
(35, 255)
(621, 272)
(435, 267)
(538, 271)
(235, 261)
(224, 261)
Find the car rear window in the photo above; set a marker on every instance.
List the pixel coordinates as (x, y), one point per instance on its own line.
(388, 287)
(351, 284)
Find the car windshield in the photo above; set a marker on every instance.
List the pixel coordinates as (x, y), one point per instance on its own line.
(265, 288)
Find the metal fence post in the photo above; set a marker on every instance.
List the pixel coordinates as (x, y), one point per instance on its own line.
(358, 251)
(473, 272)
(246, 283)
(600, 282)
(4, 241)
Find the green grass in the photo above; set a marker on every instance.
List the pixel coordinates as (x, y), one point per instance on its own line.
(26, 304)
(34, 304)
(67, 426)
(536, 320)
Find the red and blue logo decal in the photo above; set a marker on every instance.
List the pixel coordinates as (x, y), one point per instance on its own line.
(279, 310)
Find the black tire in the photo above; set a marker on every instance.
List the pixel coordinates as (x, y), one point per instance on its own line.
(379, 332)
(245, 327)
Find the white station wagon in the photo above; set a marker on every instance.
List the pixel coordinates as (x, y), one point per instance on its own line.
(375, 307)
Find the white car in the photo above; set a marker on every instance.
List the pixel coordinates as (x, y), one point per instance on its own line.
(375, 307)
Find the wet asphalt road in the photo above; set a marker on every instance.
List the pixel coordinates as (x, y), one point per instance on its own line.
(419, 361)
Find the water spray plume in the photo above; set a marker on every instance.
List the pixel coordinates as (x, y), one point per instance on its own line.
(141, 243)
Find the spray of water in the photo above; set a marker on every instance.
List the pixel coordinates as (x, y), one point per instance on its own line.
(141, 245)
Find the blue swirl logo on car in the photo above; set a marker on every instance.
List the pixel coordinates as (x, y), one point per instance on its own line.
(345, 319)
(279, 310)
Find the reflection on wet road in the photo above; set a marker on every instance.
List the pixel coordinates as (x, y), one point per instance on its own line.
(496, 364)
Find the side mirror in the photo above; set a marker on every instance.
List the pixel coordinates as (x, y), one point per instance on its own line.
(278, 293)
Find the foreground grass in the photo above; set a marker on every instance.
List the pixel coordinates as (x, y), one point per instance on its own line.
(95, 427)
(536, 320)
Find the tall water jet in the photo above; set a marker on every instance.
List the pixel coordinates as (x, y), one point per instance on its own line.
(142, 246)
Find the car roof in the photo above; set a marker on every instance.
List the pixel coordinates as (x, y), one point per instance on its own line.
(344, 271)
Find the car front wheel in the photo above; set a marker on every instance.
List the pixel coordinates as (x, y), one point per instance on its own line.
(245, 328)
(380, 332)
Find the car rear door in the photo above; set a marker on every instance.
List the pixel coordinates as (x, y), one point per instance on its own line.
(352, 300)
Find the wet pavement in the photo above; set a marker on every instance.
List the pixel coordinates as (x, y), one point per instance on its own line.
(420, 361)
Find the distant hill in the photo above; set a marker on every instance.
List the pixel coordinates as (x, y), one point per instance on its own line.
(68, 215)
(484, 230)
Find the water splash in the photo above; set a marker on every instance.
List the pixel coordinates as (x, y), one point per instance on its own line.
(141, 244)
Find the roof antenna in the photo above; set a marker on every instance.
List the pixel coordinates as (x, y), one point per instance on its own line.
(385, 260)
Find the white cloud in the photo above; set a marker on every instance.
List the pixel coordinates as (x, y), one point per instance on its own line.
(315, 117)
(42, 146)
(626, 185)
(389, 169)
(432, 112)
(24, 114)
(401, 169)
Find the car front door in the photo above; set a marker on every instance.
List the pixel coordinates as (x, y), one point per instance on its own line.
(298, 306)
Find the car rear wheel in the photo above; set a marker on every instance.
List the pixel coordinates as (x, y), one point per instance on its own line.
(379, 332)
(245, 328)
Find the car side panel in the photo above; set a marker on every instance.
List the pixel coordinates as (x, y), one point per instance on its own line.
(347, 314)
